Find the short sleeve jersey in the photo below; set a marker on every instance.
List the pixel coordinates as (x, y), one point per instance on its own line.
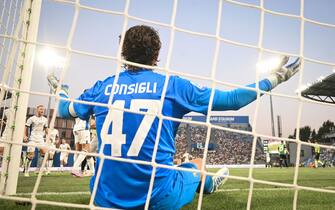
(38, 126)
(7, 113)
(64, 146)
(80, 125)
(281, 149)
(53, 135)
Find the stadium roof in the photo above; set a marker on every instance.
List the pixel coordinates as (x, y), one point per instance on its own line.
(322, 90)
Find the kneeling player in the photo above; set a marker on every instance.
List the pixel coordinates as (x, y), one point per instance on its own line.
(124, 185)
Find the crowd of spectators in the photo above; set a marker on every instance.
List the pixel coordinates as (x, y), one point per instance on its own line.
(224, 147)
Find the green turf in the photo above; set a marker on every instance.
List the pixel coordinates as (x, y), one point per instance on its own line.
(233, 196)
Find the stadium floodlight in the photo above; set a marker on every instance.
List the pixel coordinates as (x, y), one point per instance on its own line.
(266, 66)
(49, 58)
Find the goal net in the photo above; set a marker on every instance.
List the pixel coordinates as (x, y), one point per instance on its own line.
(77, 31)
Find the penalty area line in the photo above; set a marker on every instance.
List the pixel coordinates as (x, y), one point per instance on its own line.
(58, 193)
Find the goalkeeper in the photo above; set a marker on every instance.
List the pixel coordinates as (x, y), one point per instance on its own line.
(132, 136)
(317, 150)
(282, 154)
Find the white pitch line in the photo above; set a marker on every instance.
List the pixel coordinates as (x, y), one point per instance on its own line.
(264, 189)
(254, 189)
(58, 193)
(220, 190)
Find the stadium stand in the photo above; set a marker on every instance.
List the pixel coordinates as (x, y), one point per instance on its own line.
(225, 148)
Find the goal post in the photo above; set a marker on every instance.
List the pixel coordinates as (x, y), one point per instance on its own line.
(30, 14)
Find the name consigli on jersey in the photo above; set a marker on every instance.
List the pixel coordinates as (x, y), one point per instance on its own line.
(135, 88)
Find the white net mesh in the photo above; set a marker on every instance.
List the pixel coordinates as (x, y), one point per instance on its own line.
(13, 28)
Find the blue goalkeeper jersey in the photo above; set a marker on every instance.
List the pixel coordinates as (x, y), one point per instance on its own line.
(132, 135)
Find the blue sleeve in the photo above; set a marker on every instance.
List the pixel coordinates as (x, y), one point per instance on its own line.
(63, 107)
(83, 111)
(195, 98)
(238, 98)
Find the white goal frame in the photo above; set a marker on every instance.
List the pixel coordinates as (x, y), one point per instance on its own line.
(29, 20)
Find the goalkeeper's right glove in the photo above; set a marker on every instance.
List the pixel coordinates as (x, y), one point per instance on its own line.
(283, 73)
(53, 83)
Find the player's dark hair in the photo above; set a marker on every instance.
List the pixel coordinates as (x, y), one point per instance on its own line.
(141, 45)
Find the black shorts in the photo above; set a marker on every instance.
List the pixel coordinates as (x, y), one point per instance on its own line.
(317, 156)
(282, 156)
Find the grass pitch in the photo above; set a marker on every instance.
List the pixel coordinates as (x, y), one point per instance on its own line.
(233, 194)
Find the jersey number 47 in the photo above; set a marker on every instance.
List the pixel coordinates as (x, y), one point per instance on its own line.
(115, 117)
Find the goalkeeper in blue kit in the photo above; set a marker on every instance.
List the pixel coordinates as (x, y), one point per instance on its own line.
(132, 136)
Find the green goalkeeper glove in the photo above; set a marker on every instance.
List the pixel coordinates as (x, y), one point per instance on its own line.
(283, 73)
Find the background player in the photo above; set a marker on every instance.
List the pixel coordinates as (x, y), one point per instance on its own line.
(132, 136)
(89, 161)
(64, 155)
(54, 138)
(93, 146)
(317, 151)
(4, 117)
(39, 128)
(82, 143)
(282, 154)
(4, 130)
(94, 136)
(187, 157)
(267, 160)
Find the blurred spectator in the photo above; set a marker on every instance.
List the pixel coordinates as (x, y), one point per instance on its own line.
(224, 147)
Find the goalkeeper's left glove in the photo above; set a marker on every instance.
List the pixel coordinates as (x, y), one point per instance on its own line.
(283, 73)
(53, 83)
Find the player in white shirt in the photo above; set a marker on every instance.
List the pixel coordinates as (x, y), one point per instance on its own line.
(4, 129)
(39, 128)
(93, 147)
(187, 157)
(268, 160)
(53, 139)
(4, 117)
(82, 143)
(64, 155)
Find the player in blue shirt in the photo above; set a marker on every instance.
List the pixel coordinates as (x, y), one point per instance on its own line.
(132, 136)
